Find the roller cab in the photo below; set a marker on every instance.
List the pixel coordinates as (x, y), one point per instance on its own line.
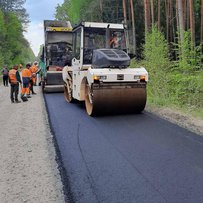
(100, 74)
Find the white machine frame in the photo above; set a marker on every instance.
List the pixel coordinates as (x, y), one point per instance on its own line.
(85, 74)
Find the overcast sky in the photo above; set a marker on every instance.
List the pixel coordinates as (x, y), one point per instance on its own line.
(38, 11)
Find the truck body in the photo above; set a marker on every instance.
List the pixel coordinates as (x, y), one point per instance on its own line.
(100, 74)
(57, 52)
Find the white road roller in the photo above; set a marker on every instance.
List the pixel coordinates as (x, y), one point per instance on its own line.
(100, 73)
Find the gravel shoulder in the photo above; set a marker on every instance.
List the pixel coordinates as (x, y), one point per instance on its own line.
(184, 120)
(29, 172)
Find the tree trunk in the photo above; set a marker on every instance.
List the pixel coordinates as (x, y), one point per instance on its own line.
(201, 37)
(188, 16)
(152, 11)
(101, 5)
(125, 22)
(167, 20)
(192, 22)
(173, 23)
(180, 20)
(101, 8)
(133, 26)
(184, 3)
(124, 12)
(159, 14)
(146, 14)
(177, 18)
(170, 8)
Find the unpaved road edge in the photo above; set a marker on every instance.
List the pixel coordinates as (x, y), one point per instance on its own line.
(29, 172)
(175, 116)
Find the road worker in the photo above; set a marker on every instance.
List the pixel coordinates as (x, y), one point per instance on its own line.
(21, 67)
(34, 69)
(114, 41)
(14, 80)
(5, 75)
(26, 77)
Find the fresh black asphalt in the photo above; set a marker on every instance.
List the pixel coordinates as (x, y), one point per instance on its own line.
(126, 158)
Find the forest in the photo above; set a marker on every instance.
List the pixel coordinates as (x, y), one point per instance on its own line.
(14, 48)
(165, 36)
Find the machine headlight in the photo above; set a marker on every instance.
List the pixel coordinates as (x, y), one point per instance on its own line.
(99, 77)
(140, 77)
(96, 77)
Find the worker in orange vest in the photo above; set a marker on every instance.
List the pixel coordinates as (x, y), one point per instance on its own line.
(34, 69)
(26, 77)
(14, 80)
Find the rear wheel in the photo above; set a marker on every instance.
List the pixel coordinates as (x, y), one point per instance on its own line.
(68, 93)
(89, 100)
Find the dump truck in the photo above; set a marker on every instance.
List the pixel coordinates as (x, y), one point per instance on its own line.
(100, 74)
(57, 51)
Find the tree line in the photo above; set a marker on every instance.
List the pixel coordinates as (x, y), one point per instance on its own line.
(14, 48)
(170, 16)
(166, 36)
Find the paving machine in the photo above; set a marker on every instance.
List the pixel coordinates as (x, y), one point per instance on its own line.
(100, 74)
(57, 51)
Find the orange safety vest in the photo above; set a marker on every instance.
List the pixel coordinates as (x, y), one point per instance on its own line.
(12, 76)
(34, 69)
(26, 73)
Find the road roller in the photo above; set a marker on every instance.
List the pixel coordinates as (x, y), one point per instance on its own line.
(99, 73)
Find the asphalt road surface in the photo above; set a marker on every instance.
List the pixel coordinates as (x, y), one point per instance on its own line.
(126, 158)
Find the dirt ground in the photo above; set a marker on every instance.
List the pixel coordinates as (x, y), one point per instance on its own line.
(28, 170)
(182, 119)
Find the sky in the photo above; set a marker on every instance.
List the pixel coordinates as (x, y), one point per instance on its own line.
(38, 11)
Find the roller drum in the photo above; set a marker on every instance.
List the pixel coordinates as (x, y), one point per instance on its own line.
(112, 99)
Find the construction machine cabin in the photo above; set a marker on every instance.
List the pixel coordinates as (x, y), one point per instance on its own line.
(100, 73)
(56, 54)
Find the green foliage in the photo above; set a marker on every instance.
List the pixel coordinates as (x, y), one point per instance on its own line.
(180, 83)
(186, 90)
(15, 6)
(187, 75)
(90, 10)
(157, 63)
(14, 48)
(189, 56)
(72, 10)
(61, 11)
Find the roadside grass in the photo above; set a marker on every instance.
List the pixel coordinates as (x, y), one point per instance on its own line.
(161, 104)
(172, 84)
